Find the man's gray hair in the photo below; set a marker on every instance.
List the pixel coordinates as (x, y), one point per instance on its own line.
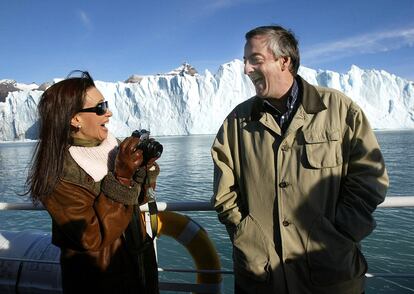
(282, 42)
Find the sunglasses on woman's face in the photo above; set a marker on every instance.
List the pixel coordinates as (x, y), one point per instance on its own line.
(99, 109)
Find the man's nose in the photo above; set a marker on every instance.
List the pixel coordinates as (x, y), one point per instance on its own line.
(247, 67)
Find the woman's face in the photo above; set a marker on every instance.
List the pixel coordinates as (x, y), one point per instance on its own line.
(90, 125)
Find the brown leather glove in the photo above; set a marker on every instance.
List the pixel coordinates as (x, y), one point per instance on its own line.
(128, 160)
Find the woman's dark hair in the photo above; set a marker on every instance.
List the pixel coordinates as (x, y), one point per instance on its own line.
(57, 106)
(282, 42)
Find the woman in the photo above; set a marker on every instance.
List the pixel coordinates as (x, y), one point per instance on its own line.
(92, 190)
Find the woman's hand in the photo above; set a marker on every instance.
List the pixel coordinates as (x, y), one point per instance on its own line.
(128, 160)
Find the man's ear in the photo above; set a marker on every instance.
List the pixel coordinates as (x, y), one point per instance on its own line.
(284, 62)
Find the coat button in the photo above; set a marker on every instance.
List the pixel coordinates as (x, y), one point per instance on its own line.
(285, 223)
(283, 184)
(89, 179)
(285, 147)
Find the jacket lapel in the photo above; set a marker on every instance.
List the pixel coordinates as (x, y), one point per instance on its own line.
(310, 105)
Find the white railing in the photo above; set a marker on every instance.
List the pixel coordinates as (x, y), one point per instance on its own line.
(390, 202)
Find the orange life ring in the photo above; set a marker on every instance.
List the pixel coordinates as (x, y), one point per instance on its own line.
(195, 239)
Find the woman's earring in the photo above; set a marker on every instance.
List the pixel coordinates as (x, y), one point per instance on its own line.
(79, 127)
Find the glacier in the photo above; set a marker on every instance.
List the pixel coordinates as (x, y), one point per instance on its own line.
(184, 103)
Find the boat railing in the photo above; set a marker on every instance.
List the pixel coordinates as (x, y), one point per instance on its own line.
(390, 202)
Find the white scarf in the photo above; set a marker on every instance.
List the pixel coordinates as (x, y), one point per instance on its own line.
(96, 161)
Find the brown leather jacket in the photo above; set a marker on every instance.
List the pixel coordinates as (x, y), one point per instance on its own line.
(98, 227)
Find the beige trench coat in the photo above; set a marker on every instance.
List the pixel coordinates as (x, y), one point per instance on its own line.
(297, 205)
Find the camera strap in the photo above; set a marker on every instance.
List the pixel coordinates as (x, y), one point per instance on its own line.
(153, 210)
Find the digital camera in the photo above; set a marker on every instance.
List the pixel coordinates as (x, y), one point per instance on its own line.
(150, 148)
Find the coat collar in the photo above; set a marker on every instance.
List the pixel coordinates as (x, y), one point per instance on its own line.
(72, 173)
(309, 98)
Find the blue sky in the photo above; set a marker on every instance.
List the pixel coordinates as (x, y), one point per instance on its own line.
(42, 40)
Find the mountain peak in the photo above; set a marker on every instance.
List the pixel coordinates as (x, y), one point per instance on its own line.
(7, 86)
(185, 68)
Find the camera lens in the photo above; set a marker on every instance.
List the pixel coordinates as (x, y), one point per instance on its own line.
(150, 148)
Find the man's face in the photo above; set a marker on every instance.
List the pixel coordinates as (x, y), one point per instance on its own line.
(262, 67)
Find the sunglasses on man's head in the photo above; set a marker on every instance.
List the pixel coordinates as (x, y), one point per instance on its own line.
(100, 109)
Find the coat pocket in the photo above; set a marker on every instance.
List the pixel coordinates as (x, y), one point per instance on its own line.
(323, 148)
(332, 258)
(250, 250)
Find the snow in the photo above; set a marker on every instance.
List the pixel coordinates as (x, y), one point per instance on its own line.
(182, 103)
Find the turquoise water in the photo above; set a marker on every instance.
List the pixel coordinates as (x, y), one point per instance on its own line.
(186, 174)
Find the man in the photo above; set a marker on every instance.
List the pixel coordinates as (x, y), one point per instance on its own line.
(298, 174)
